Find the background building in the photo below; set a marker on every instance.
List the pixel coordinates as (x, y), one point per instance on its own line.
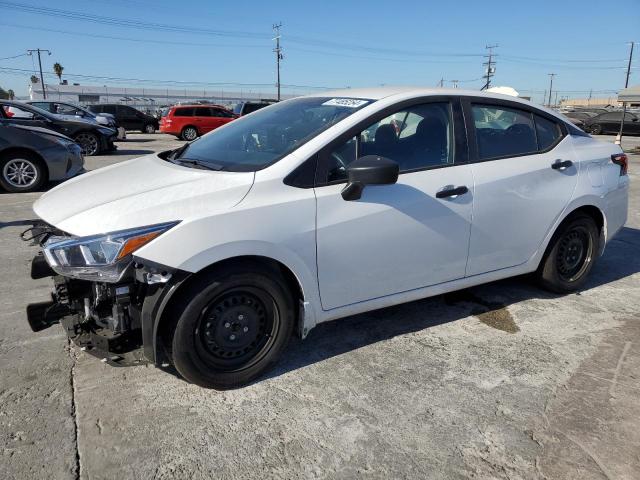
(147, 99)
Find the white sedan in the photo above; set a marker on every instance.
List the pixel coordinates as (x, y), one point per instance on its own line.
(211, 256)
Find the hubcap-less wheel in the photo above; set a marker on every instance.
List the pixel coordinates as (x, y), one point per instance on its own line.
(88, 143)
(237, 328)
(189, 133)
(149, 128)
(20, 173)
(574, 254)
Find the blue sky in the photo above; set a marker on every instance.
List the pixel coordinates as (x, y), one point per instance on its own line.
(329, 43)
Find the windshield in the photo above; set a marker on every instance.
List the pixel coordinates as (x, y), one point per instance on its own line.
(258, 140)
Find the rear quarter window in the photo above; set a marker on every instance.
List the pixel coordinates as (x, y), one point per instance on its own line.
(548, 132)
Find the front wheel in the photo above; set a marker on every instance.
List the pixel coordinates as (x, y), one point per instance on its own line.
(596, 129)
(232, 327)
(21, 172)
(89, 143)
(570, 256)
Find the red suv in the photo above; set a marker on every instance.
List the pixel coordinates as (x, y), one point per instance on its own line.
(190, 121)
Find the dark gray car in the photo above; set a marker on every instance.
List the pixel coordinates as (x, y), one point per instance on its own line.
(31, 156)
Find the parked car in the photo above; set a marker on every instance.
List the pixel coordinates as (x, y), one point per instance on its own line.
(31, 156)
(244, 108)
(69, 109)
(610, 123)
(211, 256)
(94, 139)
(190, 121)
(77, 111)
(128, 117)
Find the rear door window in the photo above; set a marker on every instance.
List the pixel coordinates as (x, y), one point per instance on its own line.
(203, 112)
(183, 112)
(503, 132)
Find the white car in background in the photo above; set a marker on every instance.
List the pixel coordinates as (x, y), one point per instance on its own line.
(211, 256)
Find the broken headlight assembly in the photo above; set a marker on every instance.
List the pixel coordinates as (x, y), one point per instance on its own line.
(102, 258)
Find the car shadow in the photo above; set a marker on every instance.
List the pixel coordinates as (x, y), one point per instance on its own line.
(488, 302)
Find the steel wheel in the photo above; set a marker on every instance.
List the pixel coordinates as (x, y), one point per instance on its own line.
(237, 328)
(575, 250)
(88, 142)
(20, 173)
(189, 133)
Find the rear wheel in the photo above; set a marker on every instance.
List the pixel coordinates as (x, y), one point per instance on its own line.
(570, 256)
(232, 327)
(89, 143)
(189, 133)
(596, 129)
(21, 172)
(149, 128)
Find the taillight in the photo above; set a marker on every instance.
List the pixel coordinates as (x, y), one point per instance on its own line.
(622, 160)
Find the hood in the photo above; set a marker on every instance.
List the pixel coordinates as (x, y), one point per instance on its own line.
(139, 192)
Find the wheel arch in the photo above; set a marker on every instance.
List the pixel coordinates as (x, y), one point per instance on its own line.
(586, 207)
(161, 328)
(23, 150)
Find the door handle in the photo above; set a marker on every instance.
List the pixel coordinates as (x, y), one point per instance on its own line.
(452, 192)
(560, 165)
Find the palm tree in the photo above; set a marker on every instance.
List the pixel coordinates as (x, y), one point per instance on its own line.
(12, 94)
(57, 69)
(34, 79)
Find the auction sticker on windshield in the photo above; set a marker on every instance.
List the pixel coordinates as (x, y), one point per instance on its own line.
(345, 102)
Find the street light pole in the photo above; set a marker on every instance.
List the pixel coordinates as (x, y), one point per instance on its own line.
(30, 52)
(278, 52)
(624, 104)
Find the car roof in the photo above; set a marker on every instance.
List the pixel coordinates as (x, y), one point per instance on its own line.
(408, 92)
(198, 105)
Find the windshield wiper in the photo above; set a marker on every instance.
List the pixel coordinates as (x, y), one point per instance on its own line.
(198, 163)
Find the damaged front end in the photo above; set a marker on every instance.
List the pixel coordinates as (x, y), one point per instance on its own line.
(106, 299)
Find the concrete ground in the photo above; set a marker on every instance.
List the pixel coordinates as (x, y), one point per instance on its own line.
(499, 381)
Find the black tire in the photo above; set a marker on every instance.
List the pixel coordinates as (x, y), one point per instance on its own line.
(595, 129)
(21, 172)
(570, 256)
(189, 133)
(89, 143)
(232, 326)
(149, 128)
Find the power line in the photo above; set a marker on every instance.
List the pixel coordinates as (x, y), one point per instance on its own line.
(14, 56)
(120, 22)
(21, 71)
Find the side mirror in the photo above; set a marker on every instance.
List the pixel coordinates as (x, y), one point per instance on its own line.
(369, 170)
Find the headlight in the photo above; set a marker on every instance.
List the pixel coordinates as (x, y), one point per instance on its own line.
(99, 257)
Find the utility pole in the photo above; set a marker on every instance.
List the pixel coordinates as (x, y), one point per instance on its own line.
(278, 52)
(551, 75)
(490, 63)
(441, 82)
(624, 104)
(30, 52)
